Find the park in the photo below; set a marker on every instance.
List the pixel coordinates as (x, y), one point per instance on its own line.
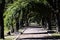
(29, 19)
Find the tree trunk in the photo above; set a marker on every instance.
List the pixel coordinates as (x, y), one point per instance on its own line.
(49, 23)
(56, 23)
(43, 20)
(21, 23)
(12, 29)
(2, 5)
(1, 26)
(17, 25)
(26, 21)
(58, 19)
(27, 24)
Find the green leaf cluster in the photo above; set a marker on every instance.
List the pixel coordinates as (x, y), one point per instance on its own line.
(16, 8)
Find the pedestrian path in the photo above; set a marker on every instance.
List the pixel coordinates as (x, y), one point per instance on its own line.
(35, 30)
(33, 33)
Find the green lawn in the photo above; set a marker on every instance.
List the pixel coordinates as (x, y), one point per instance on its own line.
(55, 34)
(5, 33)
(10, 38)
(7, 39)
(6, 30)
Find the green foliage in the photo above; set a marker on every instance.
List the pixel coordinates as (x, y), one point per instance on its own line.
(16, 8)
(11, 11)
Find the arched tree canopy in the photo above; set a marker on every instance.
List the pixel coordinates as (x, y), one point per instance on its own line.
(33, 8)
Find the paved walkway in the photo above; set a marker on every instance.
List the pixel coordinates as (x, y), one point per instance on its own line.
(35, 30)
(33, 33)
